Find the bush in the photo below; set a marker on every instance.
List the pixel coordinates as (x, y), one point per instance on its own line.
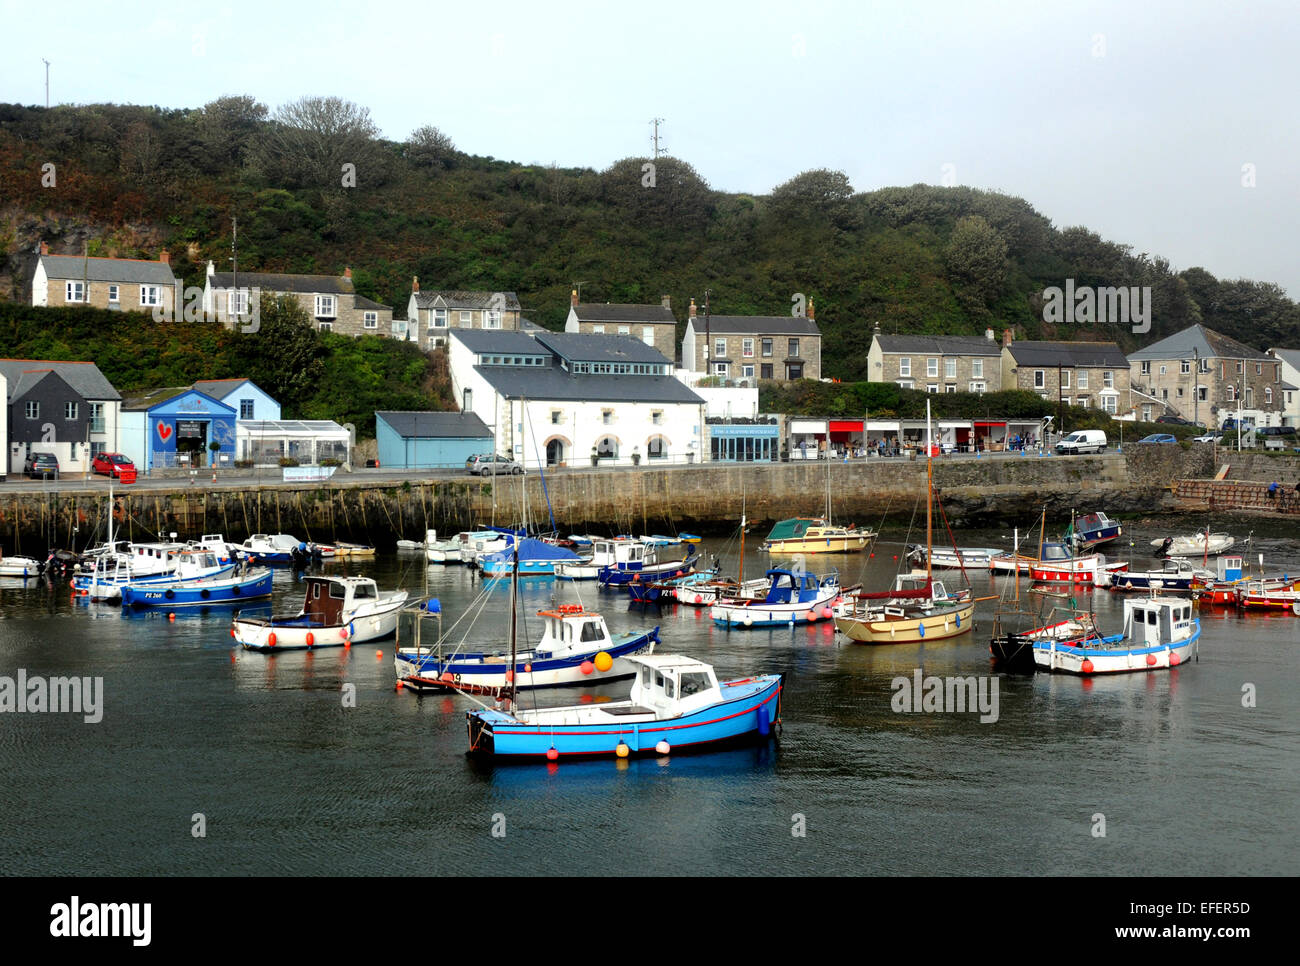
(244, 464)
(330, 461)
(289, 461)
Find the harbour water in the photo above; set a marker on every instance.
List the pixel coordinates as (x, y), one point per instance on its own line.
(260, 753)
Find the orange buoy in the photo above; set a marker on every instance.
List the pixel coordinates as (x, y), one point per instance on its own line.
(528, 669)
(604, 662)
(1173, 659)
(510, 677)
(270, 639)
(311, 638)
(379, 655)
(1086, 666)
(811, 616)
(622, 749)
(171, 617)
(399, 684)
(1151, 660)
(586, 667)
(552, 754)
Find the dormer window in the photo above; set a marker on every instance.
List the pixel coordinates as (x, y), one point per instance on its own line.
(326, 307)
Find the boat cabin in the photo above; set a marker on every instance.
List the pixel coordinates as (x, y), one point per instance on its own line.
(1155, 621)
(789, 587)
(673, 684)
(1056, 551)
(1229, 568)
(327, 598)
(572, 628)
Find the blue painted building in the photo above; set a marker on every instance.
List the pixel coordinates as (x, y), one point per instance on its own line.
(247, 399)
(174, 427)
(747, 441)
(427, 440)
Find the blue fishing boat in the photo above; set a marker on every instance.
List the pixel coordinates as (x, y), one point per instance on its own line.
(676, 704)
(199, 593)
(537, 558)
(647, 568)
(1093, 529)
(653, 591)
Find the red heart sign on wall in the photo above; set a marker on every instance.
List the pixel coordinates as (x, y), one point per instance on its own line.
(164, 432)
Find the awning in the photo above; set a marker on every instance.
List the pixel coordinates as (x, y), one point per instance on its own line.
(846, 425)
(991, 425)
(815, 426)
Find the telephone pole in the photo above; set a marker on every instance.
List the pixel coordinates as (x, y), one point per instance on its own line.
(47, 82)
(656, 121)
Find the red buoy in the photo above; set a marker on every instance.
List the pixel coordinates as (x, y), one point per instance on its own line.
(1151, 660)
(1086, 666)
(552, 754)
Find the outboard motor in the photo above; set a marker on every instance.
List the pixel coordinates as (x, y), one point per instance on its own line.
(1164, 547)
(298, 557)
(316, 556)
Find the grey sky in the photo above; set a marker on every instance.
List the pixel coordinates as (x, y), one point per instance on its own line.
(1132, 119)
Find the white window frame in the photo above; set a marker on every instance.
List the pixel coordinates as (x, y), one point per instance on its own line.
(1082, 382)
(648, 335)
(950, 387)
(598, 329)
(370, 320)
(1145, 368)
(1040, 378)
(115, 294)
(1108, 379)
(932, 388)
(32, 409)
(747, 348)
(932, 368)
(326, 308)
(747, 372)
(978, 387)
(977, 368)
(950, 368)
(71, 410)
(719, 348)
(237, 302)
(492, 319)
(1185, 366)
(905, 384)
(325, 326)
(1065, 378)
(466, 319)
(437, 318)
(905, 367)
(151, 295)
(74, 292)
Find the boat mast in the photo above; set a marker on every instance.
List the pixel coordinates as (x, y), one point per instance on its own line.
(929, 494)
(741, 579)
(514, 614)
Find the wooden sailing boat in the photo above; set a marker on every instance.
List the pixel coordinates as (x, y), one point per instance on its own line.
(919, 608)
(816, 534)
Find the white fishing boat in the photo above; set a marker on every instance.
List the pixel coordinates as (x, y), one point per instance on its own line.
(624, 552)
(1159, 633)
(336, 612)
(954, 558)
(1196, 545)
(114, 572)
(792, 597)
(19, 566)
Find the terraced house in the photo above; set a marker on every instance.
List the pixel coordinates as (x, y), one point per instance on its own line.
(431, 315)
(743, 348)
(117, 284)
(1087, 374)
(331, 301)
(936, 363)
(654, 325)
(68, 409)
(1204, 376)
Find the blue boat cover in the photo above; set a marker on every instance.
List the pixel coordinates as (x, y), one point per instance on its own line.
(531, 549)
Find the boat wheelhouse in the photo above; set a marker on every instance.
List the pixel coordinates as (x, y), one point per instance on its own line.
(1094, 529)
(675, 704)
(336, 612)
(1159, 633)
(814, 535)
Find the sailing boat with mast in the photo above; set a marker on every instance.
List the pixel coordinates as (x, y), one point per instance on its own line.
(816, 534)
(919, 608)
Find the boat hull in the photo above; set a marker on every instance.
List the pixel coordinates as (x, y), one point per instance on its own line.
(748, 614)
(749, 710)
(908, 629)
(295, 634)
(849, 543)
(197, 593)
(1067, 658)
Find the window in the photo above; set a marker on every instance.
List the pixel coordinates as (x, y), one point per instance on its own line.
(1184, 367)
(932, 388)
(1268, 396)
(977, 387)
(607, 417)
(1082, 402)
(905, 366)
(765, 370)
(74, 292)
(325, 326)
(97, 418)
(1203, 393)
(1108, 379)
(1164, 393)
(466, 320)
(246, 408)
(1179, 392)
(905, 384)
(1232, 393)
(325, 307)
(1240, 367)
(792, 348)
(598, 329)
(1146, 368)
(657, 417)
(114, 293)
(1065, 378)
(747, 348)
(625, 330)
(237, 302)
(950, 387)
(71, 410)
(33, 410)
(950, 368)
(370, 320)
(438, 319)
(794, 370)
(556, 417)
(721, 369)
(746, 372)
(1250, 397)
(932, 368)
(767, 347)
(1109, 403)
(1259, 368)
(1146, 414)
(977, 369)
(1203, 365)
(492, 319)
(719, 348)
(648, 334)
(1163, 370)
(150, 295)
(1040, 379)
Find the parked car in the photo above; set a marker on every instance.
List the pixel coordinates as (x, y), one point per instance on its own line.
(114, 465)
(1283, 431)
(1159, 438)
(1176, 420)
(1210, 437)
(486, 464)
(41, 464)
(1082, 441)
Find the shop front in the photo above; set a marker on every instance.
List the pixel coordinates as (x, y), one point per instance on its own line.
(808, 438)
(744, 443)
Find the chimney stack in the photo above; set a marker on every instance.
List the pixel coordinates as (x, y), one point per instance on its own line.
(1006, 337)
(875, 329)
(988, 334)
(692, 309)
(212, 269)
(165, 257)
(415, 283)
(812, 312)
(667, 302)
(347, 272)
(573, 297)
(45, 249)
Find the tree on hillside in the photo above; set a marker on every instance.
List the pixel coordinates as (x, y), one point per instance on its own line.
(311, 139)
(817, 192)
(428, 147)
(226, 127)
(976, 256)
(285, 354)
(663, 193)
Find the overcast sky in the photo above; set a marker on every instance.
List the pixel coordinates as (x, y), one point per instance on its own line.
(1135, 119)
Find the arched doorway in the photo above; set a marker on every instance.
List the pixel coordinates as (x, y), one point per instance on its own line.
(656, 448)
(607, 447)
(555, 452)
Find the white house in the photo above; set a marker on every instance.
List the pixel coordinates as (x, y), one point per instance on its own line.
(1290, 359)
(552, 398)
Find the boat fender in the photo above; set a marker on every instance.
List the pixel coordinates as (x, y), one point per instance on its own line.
(352, 628)
(205, 593)
(169, 594)
(235, 590)
(920, 629)
(311, 638)
(270, 639)
(764, 726)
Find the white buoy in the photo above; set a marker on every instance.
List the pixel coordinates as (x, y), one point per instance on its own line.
(663, 747)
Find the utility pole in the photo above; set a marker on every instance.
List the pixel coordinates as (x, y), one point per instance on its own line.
(656, 121)
(1196, 385)
(47, 83)
(577, 286)
(234, 267)
(708, 335)
(1060, 402)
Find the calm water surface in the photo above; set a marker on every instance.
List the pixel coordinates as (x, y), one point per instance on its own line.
(290, 781)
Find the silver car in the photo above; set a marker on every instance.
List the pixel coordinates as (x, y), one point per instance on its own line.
(486, 464)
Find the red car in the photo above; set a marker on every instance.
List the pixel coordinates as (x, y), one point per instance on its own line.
(114, 464)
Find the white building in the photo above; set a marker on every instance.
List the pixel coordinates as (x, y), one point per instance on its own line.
(552, 398)
(1290, 359)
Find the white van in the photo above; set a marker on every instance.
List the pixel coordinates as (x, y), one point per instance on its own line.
(1082, 441)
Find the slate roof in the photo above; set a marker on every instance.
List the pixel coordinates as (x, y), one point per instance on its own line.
(1290, 356)
(457, 299)
(361, 302)
(153, 397)
(593, 312)
(219, 388)
(1085, 354)
(432, 425)
(303, 284)
(498, 340)
(762, 324)
(131, 270)
(84, 377)
(591, 347)
(1197, 340)
(548, 383)
(945, 345)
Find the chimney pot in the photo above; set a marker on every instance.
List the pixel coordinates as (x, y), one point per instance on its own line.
(165, 257)
(45, 248)
(692, 309)
(573, 297)
(988, 334)
(812, 312)
(347, 272)
(1006, 337)
(667, 302)
(415, 283)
